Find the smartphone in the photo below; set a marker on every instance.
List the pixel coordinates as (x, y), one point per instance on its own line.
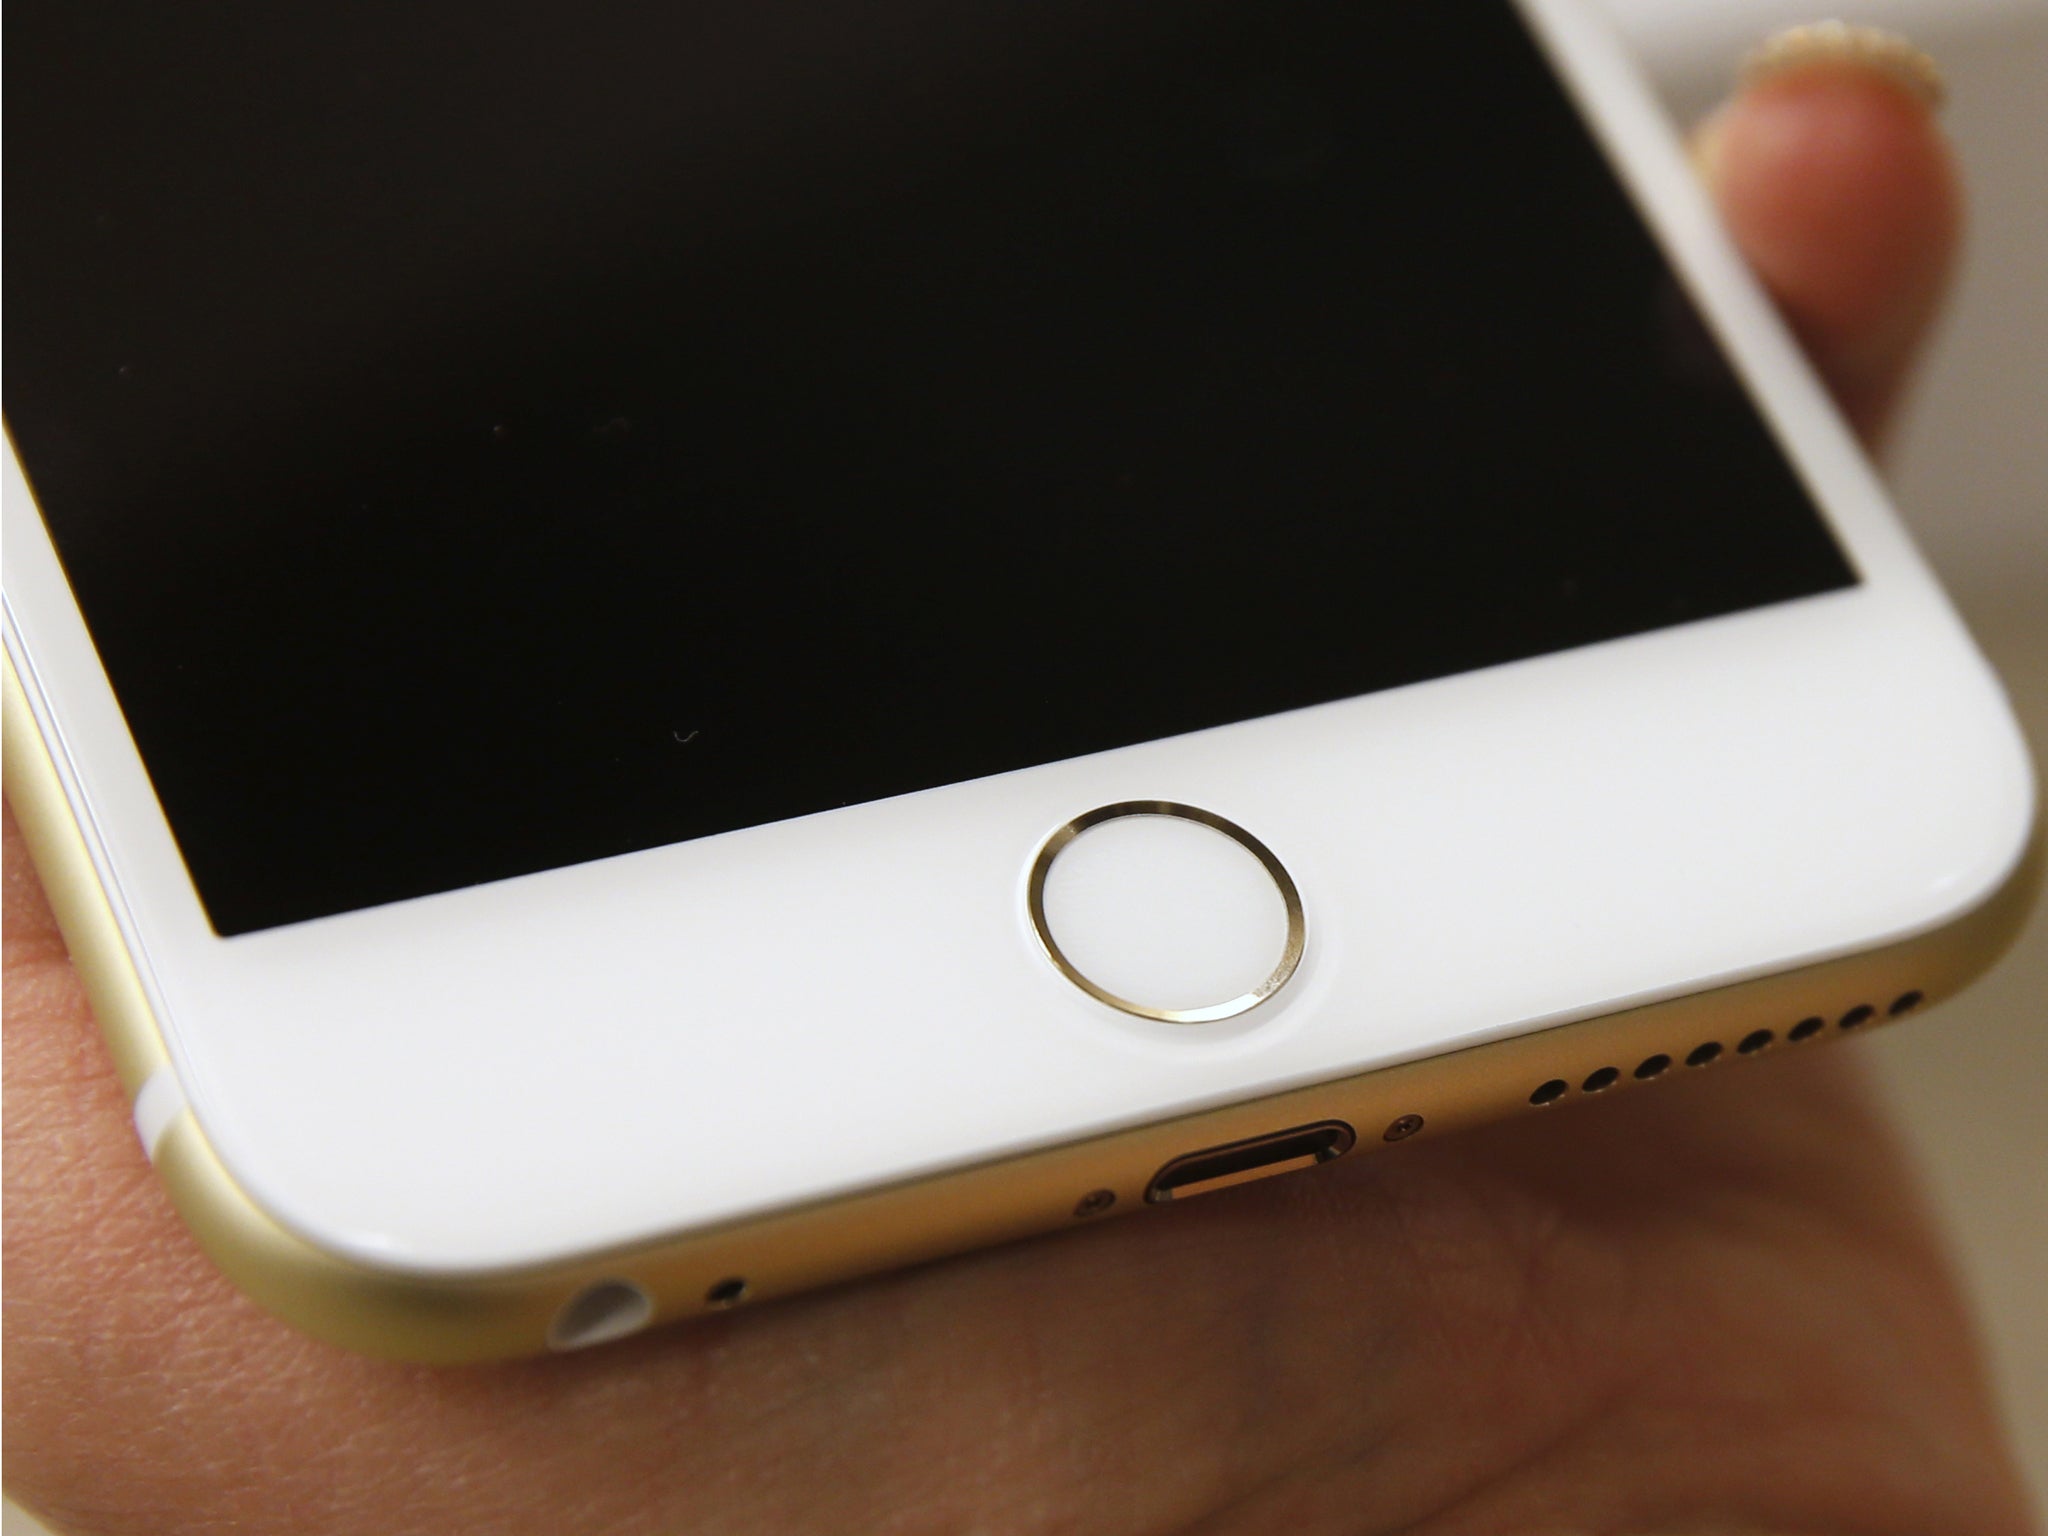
(665, 656)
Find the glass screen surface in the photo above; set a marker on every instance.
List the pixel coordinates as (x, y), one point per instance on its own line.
(487, 437)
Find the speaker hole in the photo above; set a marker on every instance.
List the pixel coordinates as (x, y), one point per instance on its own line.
(1755, 1041)
(1806, 1029)
(1602, 1080)
(1551, 1091)
(608, 1310)
(1906, 1002)
(1858, 1016)
(1655, 1066)
(727, 1293)
(1702, 1054)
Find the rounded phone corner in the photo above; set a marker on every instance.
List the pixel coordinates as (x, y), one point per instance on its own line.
(419, 1319)
(319, 1293)
(2011, 871)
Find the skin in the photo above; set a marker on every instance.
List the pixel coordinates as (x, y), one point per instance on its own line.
(1719, 1307)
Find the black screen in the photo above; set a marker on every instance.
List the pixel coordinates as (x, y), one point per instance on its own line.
(487, 437)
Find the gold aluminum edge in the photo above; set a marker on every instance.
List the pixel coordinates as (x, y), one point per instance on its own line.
(98, 951)
(466, 1318)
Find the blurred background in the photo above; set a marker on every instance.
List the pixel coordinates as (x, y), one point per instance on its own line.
(1970, 471)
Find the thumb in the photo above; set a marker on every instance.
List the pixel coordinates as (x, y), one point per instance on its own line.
(1840, 188)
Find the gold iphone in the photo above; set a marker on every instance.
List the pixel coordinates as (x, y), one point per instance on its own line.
(660, 657)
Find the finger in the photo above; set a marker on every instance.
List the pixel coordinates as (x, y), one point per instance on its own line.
(1835, 177)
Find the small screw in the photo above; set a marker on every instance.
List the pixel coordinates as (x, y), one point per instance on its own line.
(1095, 1202)
(1404, 1127)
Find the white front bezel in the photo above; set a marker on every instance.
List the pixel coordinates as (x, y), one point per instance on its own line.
(596, 1056)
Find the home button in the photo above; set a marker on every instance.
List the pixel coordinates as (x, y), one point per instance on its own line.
(1166, 912)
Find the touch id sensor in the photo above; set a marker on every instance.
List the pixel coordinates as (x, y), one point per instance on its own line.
(1166, 912)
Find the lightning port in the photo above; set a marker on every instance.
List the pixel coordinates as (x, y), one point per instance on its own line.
(1257, 1157)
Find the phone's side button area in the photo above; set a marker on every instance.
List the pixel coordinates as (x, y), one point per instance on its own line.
(1166, 912)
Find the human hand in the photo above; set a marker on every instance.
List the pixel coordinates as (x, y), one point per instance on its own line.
(1716, 1307)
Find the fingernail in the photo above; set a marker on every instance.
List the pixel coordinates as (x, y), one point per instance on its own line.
(1836, 42)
